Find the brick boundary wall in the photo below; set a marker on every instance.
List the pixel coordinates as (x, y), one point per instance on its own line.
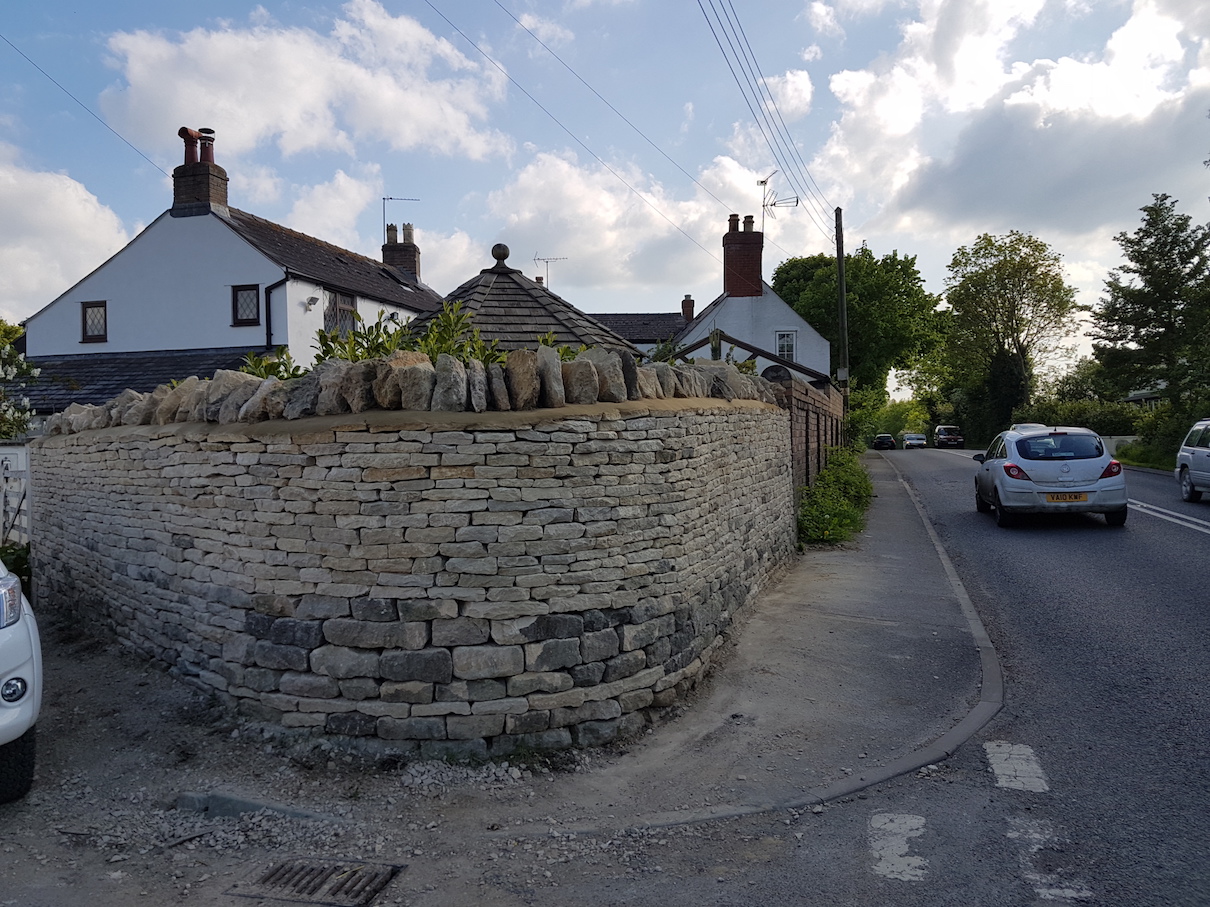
(424, 584)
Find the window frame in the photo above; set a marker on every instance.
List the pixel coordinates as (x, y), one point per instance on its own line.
(85, 308)
(334, 301)
(793, 335)
(236, 289)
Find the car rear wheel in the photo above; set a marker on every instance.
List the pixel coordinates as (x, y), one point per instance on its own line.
(1188, 492)
(1116, 517)
(1004, 519)
(17, 767)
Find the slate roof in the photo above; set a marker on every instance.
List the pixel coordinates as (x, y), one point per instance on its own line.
(325, 263)
(99, 377)
(508, 307)
(643, 327)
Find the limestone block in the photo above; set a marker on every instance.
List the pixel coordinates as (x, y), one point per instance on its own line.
(286, 631)
(357, 387)
(624, 665)
(469, 727)
(449, 392)
(580, 383)
(121, 404)
(302, 394)
(649, 384)
(529, 722)
(630, 374)
(600, 645)
(635, 700)
(507, 706)
(224, 383)
(587, 675)
(590, 711)
(477, 662)
(330, 400)
(193, 407)
(551, 654)
(595, 733)
(441, 708)
(429, 665)
(166, 412)
(611, 380)
(411, 728)
(417, 379)
(497, 388)
(549, 682)
(476, 386)
(521, 375)
(518, 630)
(267, 402)
(311, 686)
(341, 662)
(414, 691)
(550, 375)
(667, 378)
(461, 631)
(376, 634)
(635, 636)
(284, 658)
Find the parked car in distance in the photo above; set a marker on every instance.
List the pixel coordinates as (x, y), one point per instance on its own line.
(20, 688)
(883, 442)
(1049, 470)
(914, 440)
(948, 436)
(1193, 462)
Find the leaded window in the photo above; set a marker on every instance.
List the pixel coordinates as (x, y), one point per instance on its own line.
(340, 310)
(96, 328)
(245, 304)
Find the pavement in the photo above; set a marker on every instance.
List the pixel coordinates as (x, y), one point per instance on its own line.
(862, 663)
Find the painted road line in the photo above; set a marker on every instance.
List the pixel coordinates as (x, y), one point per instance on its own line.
(1032, 836)
(1015, 766)
(1189, 522)
(890, 835)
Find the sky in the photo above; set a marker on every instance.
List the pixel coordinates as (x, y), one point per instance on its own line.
(605, 141)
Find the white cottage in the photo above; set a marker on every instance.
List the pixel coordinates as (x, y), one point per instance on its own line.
(203, 285)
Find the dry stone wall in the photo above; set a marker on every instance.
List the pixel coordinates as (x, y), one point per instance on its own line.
(428, 584)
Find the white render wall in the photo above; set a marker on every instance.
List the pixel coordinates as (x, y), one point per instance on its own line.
(169, 289)
(757, 320)
(419, 583)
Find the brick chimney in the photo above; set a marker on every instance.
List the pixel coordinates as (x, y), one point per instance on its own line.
(404, 255)
(199, 186)
(687, 308)
(742, 258)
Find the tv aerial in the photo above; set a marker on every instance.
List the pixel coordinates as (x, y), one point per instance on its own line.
(546, 261)
(390, 198)
(769, 200)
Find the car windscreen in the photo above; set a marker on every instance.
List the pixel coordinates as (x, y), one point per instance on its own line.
(1059, 446)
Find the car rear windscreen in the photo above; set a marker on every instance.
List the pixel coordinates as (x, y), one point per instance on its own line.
(1060, 447)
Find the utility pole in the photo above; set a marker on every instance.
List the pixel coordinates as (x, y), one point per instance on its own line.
(842, 368)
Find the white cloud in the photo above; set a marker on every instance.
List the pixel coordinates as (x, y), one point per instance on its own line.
(792, 92)
(308, 91)
(547, 32)
(330, 210)
(55, 232)
(823, 19)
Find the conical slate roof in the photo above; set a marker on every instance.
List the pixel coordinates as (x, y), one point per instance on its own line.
(508, 307)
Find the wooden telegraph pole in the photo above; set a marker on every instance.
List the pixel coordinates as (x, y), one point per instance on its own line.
(842, 367)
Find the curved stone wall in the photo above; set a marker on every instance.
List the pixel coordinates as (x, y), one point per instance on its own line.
(430, 584)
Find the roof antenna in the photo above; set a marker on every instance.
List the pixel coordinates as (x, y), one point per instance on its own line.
(385, 199)
(769, 200)
(546, 261)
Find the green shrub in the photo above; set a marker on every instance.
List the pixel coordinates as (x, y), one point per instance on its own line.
(833, 508)
(16, 559)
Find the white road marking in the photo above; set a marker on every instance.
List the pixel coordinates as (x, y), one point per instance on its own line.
(1032, 836)
(1015, 766)
(889, 837)
(1189, 522)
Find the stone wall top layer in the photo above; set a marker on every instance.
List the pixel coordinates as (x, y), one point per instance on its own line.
(426, 584)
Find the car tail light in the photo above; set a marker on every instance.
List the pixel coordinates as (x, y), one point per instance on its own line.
(1113, 469)
(1013, 471)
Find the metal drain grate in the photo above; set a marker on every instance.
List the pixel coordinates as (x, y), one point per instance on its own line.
(341, 883)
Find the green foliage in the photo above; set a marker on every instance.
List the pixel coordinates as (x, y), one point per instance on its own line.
(1162, 429)
(15, 373)
(566, 353)
(833, 508)
(375, 341)
(450, 332)
(890, 316)
(1153, 323)
(743, 366)
(899, 416)
(665, 350)
(1103, 418)
(16, 559)
(278, 364)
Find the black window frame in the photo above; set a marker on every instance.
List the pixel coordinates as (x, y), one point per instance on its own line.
(236, 321)
(85, 307)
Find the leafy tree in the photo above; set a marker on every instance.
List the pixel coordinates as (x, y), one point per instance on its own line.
(15, 373)
(1011, 308)
(1152, 323)
(1085, 380)
(889, 311)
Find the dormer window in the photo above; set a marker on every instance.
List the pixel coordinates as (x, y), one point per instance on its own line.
(245, 305)
(95, 322)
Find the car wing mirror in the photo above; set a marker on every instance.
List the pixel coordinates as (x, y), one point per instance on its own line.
(978, 458)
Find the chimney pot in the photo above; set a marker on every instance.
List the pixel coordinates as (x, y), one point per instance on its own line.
(687, 308)
(749, 222)
(392, 235)
(742, 259)
(733, 223)
(538, 280)
(199, 185)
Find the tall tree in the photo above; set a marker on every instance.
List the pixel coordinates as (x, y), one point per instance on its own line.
(888, 308)
(1152, 323)
(1011, 308)
(15, 373)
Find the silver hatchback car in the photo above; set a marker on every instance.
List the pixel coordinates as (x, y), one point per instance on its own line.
(1193, 462)
(1037, 469)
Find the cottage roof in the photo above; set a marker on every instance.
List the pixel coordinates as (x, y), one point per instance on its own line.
(643, 327)
(99, 377)
(325, 263)
(508, 307)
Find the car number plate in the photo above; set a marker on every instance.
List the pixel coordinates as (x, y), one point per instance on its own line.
(1065, 497)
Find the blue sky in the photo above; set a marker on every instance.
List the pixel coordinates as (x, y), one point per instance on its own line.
(608, 135)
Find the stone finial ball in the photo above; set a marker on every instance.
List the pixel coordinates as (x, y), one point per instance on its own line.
(499, 251)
